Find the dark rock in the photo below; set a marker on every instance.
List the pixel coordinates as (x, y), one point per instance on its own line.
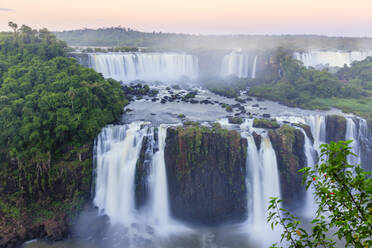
(288, 143)
(255, 105)
(194, 101)
(335, 128)
(266, 115)
(264, 123)
(235, 120)
(163, 101)
(257, 139)
(206, 175)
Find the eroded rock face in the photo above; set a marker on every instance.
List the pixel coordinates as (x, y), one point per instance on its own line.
(335, 128)
(42, 201)
(206, 174)
(288, 144)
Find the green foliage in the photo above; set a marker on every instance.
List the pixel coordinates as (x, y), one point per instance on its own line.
(51, 109)
(119, 36)
(298, 86)
(265, 123)
(344, 196)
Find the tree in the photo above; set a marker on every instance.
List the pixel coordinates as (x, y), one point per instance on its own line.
(343, 193)
(13, 26)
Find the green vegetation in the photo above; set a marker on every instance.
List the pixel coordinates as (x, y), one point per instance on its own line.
(119, 37)
(298, 86)
(235, 120)
(265, 123)
(343, 194)
(51, 109)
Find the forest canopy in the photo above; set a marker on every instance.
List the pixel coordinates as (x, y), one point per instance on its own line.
(48, 100)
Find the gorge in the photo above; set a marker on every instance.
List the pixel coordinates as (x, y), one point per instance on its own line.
(159, 159)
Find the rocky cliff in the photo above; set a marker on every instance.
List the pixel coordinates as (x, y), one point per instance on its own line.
(335, 128)
(288, 144)
(39, 201)
(206, 174)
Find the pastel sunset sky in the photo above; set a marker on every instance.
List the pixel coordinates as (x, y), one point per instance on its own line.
(330, 17)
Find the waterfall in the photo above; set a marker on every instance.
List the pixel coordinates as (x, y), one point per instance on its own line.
(253, 75)
(127, 67)
(310, 205)
(117, 152)
(235, 64)
(271, 184)
(262, 183)
(318, 130)
(352, 134)
(331, 58)
(158, 183)
(254, 184)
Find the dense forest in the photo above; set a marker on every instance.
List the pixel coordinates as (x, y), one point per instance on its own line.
(126, 37)
(350, 89)
(51, 109)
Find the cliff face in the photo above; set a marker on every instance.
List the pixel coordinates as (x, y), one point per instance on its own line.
(41, 201)
(288, 144)
(206, 174)
(335, 128)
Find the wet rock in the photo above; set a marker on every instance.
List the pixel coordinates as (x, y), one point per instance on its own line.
(255, 105)
(206, 174)
(335, 128)
(288, 143)
(266, 115)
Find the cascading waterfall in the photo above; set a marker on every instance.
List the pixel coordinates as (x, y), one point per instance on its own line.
(352, 134)
(318, 129)
(254, 184)
(271, 185)
(262, 183)
(117, 152)
(310, 206)
(254, 67)
(127, 67)
(158, 182)
(238, 64)
(331, 58)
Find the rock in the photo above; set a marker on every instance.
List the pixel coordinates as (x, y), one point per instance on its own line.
(257, 139)
(163, 101)
(288, 143)
(264, 123)
(194, 101)
(206, 174)
(266, 115)
(235, 120)
(255, 105)
(335, 128)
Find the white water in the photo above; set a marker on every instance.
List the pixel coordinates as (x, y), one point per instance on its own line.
(254, 183)
(318, 130)
(254, 67)
(262, 183)
(158, 183)
(310, 205)
(238, 64)
(117, 151)
(337, 58)
(127, 67)
(352, 134)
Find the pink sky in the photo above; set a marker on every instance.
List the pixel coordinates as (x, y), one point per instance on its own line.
(331, 17)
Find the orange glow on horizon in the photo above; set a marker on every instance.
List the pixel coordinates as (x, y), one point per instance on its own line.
(333, 17)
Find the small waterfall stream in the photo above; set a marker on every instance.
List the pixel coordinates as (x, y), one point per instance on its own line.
(352, 134)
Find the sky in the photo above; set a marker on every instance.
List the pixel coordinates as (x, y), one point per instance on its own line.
(325, 17)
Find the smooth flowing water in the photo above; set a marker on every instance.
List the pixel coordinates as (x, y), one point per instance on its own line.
(238, 64)
(331, 58)
(127, 67)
